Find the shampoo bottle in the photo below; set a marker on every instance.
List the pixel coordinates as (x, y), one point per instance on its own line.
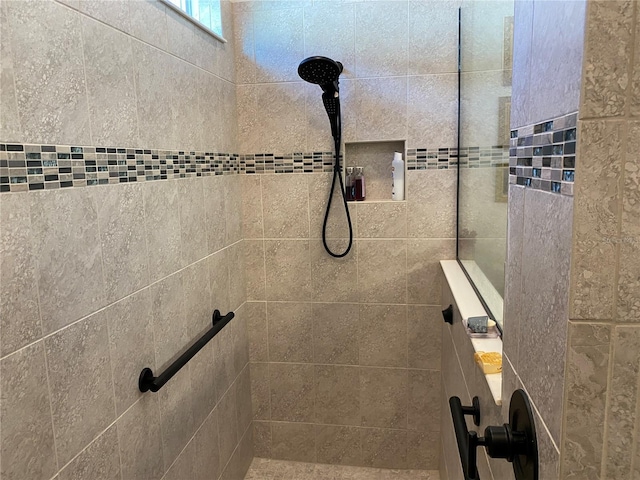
(397, 172)
(359, 184)
(348, 184)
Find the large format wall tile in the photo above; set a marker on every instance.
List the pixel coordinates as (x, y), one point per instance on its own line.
(176, 413)
(384, 448)
(434, 97)
(50, 87)
(334, 279)
(431, 201)
(337, 395)
(82, 401)
(338, 445)
(433, 39)
(335, 333)
(382, 275)
(382, 220)
(293, 441)
(28, 448)
(425, 338)
(215, 212)
(383, 335)
(381, 106)
(521, 78)
(290, 332)
(20, 321)
(383, 397)
(288, 270)
(169, 326)
(292, 392)
(424, 276)
(100, 461)
(285, 205)
(70, 279)
(10, 129)
(192, 211)
(145, 13)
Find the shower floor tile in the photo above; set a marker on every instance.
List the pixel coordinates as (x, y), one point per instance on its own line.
(266, 469)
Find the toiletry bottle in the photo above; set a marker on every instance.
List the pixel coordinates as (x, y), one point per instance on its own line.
(348, 184)
(397, 172)
(359, 184)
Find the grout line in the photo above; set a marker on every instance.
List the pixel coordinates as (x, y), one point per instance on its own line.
(49, 391)
(607, 402)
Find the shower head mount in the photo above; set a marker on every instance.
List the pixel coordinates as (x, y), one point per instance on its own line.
(322, 71)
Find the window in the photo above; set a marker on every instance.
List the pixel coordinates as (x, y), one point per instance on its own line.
(204, 13)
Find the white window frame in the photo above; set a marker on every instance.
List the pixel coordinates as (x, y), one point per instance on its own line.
(200, 25)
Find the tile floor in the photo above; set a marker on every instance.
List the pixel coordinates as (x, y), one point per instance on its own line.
(266, 469)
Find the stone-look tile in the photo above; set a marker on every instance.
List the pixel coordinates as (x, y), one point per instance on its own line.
(219, 276)
(240, 338)
(10, 130)
(424, 275)
(82, 400)
(224, 360)
(140, 440)
(598, 185)
(122, 239)
(433, 97)
(627, 304)
(557, 45)
(243, 400)
(384, 448)
(108, 58)
(288, 270)
(241, 458)
(586, 391)
(431, 207)
(244, 51)
(424, 400)
(215, 212)
(207, 459)
(522, 40)
(100, 461)
(203, 385)
(423, 450)
(425, 337)
(180, 36)
(176, 413)
(382, 220)
(621, 415)
(382, 273)
(260, 392)
(337, 225)
(169, 327)
(383, 397)
(20, 323)
(192, 212)
(292, 392)
(382, 335)
(337, 395)
(333, 279)
(338, 445)
(290, 332)
(335, 333)
(252, 218)
(233, 208)
(227, 425)
(65, 235)
(513, 272)
(28, 448)
(131, 346)
(145, 13)
(548, 454)
(255, 271)
(183, 465)
(381, 106)
(256, 313)
(237, 275)
(631, 192)
(262, 439)
(293, 441)
(285, 203)
(162, 224)
(112, 12)
(248, 117)
(433, 41)
(592, 285)
(545, 307)
(608, 45)
(277, 56)
(39, 32)
(197, 299)
(386, 20)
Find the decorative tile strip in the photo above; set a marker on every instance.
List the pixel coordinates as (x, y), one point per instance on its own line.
(291, 163)
(543, 156)
(445, 158)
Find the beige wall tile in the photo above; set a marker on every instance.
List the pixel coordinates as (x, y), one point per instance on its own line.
(424, 276)
(28, 447)
(39, 32)
(431, 203)
(288, 270)
(256, 313)
(65, 235)
(243, 400)
(169, 327)
(586, 387)
(215, 212)
(233, 208)
(383, 397)
(381, 106)
(227, 425)
(20, 321)
(244, 50)
(627, 306)
(337, 395)
(433, 42)
(635, 84)
(335, 333)
(82, 401)
(424, 337)
(207, 458)
(337, 226)
(423, 450)
(111, 12)
(176, 412)
(180, 36)
(608, 43)
(592, 286)
(277, 56)
(262, 439)
(145, 13)
(382, 220)
(293, 441)
(224, 360)
(183, 465)
(334, 279)
(432, 100)
(383, 335)
(286, 206)
(521, 78)
(292, 393)
(237, 275)
(338, 445)
(122, 239)
(101, 460)
(424, 400)
(260, 392)
(197, 299)
(219, 276)
(241, 458)
(192, 211)
(631, 190)
(382, 272)
(131, 346)
(240, 339)
(255, 269)
(384, 448)
(203, 385)
(290, 332)
(108, 60)
(252, 218)
(386, 20)
(10, 129)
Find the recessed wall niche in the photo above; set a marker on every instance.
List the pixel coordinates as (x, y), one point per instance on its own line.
(376, 158)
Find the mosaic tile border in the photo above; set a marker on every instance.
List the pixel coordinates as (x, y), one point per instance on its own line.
(313, 162)
(543, 156)
(445, 158)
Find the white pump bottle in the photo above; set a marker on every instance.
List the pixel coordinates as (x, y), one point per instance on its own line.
(397, 172)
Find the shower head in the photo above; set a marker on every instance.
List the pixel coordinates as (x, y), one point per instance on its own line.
(322, 71)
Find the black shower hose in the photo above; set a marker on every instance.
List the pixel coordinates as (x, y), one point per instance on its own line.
(337, 173)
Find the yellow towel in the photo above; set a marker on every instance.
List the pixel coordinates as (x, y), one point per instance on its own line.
(489, 362)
